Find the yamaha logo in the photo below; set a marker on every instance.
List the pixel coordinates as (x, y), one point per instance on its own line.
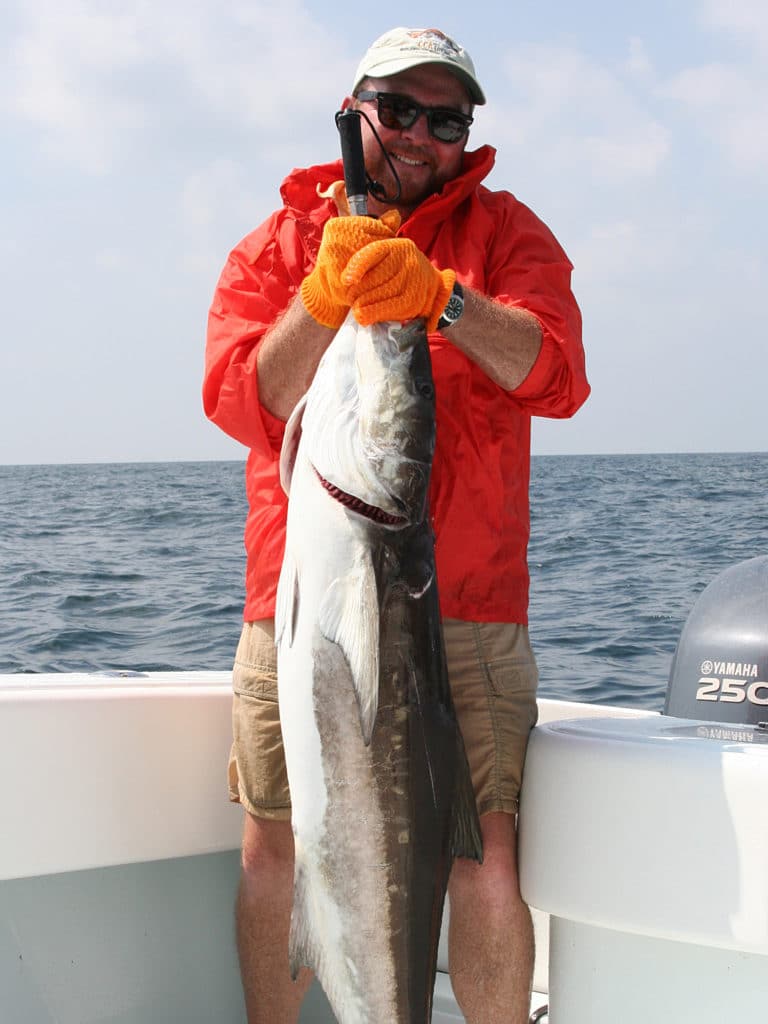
(731, 682)
(742, 669)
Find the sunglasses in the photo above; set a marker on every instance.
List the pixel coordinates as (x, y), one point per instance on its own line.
(397, 112)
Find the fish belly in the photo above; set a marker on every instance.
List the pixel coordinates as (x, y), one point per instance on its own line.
(371, 827)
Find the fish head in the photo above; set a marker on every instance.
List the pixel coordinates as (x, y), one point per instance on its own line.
(368, 424)
(397, 411)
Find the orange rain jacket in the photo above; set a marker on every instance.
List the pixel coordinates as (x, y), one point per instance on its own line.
(479, 487)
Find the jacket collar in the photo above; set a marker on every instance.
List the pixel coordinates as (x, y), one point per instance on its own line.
(299, 190)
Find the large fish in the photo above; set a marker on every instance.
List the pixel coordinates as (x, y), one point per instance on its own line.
(380, 788)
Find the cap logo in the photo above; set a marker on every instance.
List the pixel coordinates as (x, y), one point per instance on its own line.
(434, 41)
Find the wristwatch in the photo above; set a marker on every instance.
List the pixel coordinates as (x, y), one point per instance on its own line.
(454, 308)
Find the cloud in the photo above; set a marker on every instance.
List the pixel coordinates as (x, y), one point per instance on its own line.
(581, 113)
(609, 251)
(58, 77)
(618, 120)
(729, 105)
(216, 202)
(745, 20)
(95, 80)
(638, 63)
(727, 100)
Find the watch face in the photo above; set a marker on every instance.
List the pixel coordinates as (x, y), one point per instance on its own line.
(454, 309)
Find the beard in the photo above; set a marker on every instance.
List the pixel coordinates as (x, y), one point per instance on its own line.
(416, 181)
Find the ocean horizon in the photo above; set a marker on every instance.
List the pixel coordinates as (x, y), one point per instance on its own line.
(138, 566)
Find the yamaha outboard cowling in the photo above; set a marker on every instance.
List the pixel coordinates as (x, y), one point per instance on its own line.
(720, 669)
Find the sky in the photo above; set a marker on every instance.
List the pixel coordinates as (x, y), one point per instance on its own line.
(141, 140)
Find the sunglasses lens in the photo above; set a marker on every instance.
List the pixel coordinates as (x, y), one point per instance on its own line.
(397, 111)
(446, 127)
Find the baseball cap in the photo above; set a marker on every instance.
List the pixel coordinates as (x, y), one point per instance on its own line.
(403, 48)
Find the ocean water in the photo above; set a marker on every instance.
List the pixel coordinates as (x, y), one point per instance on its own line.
(140, 566)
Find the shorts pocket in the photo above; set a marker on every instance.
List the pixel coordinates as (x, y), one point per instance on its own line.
(512, 685)
(257, 774)
(254, 673)
(511, 678)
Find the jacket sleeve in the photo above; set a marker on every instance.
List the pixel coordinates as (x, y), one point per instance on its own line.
(531, 271)
(261, 276)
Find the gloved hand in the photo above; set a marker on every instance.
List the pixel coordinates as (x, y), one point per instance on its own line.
(322, 291)
(392, 279)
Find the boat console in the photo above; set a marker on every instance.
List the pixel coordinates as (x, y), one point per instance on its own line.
(646, 840)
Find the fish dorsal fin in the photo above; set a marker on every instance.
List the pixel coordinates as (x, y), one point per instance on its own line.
(349, 617)
(466, 838)
(290, 446)
(287, 603)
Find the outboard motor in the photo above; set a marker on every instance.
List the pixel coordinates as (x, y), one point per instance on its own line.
(720, 668)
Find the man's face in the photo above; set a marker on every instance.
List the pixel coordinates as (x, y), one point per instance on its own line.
(423, 163)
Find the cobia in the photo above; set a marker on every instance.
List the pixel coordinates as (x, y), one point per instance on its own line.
(380, 788)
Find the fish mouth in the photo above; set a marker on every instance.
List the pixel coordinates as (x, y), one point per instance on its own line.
(360, 507)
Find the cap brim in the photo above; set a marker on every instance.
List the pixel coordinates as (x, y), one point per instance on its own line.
(397, 65)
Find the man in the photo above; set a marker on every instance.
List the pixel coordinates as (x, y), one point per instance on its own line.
(506, 347)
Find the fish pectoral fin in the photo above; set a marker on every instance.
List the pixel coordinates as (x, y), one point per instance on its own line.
(290, 446)
(418, 579)
(349, 617)
(466, 838)
(287, 602)
(416, 572)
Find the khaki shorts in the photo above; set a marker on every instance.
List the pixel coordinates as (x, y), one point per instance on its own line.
(493, 682)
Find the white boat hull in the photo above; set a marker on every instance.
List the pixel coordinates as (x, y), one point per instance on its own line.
(119, 859)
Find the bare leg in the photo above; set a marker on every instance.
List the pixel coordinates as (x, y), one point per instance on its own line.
(490, 938)
(264, 905)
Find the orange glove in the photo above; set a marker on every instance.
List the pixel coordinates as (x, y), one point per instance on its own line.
(322, 291)
(392, 279)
